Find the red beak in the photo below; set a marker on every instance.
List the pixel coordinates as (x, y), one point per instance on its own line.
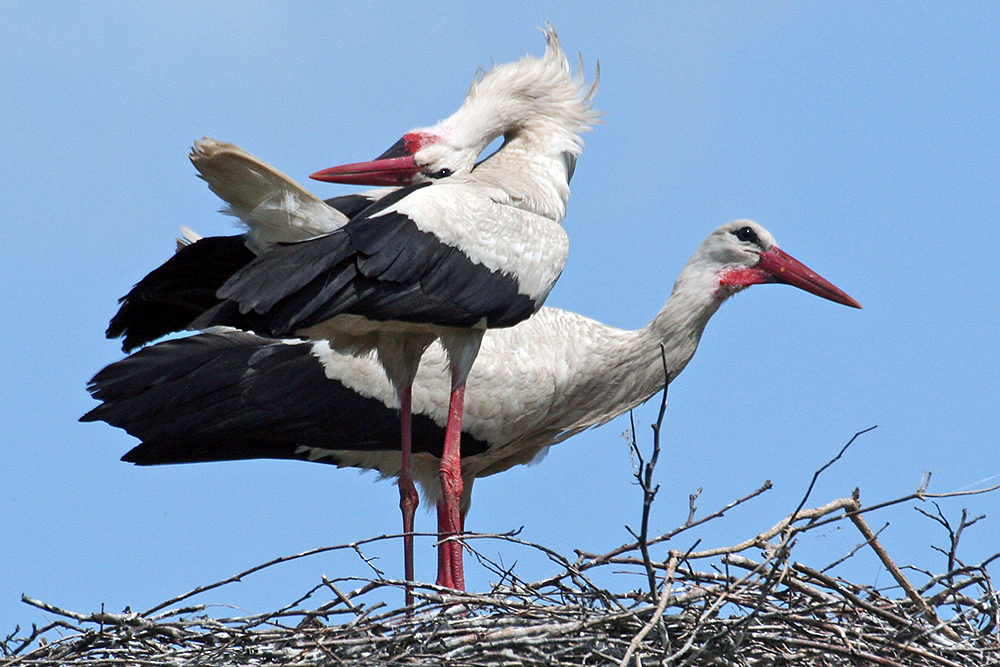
(392, 171)
(778, 266)
(394, 167)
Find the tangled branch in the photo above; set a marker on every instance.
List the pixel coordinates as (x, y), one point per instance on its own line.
(750, 603)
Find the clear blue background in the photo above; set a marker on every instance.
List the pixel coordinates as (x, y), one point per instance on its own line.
(864, 137)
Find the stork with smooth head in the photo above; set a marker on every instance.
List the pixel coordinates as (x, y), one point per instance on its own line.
(532, 386)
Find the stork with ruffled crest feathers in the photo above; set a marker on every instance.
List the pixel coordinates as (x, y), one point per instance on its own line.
(463, 249)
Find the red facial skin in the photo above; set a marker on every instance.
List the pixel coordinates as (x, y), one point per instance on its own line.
(777, 266)
(395, 167)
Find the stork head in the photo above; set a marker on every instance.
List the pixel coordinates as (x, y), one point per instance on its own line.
(536, 99)
(742, 253)
(420, 155)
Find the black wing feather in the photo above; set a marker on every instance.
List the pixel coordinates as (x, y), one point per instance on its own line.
(350, 205)
(285, 269)
(382, 267)
(234, 395)
(173, 295)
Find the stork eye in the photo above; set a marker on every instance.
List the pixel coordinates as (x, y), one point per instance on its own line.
(441, 173)
(747, 235)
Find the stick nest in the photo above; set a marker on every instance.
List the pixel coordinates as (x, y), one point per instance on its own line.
(717, 607)
(747, 604)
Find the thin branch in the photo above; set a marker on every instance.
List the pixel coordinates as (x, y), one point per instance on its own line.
(644, 475)
(661, 605)
(919, 494)
(853, 551)
(897, 574)
(353, 546)
(600, 559)
(812, 483)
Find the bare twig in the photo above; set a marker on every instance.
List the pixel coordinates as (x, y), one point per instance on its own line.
(596, 560)
(644, 476)
(692, 509)
(853, 551)
(812, 483)
(897, 574)
(661, 605)
(919, 494)
(353, 546)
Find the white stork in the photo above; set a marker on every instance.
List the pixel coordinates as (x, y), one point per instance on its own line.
(476, 251)
(226, 396)
(540, 109)
(275, 209)
(480, 249)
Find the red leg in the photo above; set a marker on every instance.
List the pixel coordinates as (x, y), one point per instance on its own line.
(462, 346)
(452, 486)
(408, 498)
(444, 566)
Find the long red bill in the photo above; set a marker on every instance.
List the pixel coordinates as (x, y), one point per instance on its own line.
(396, 166)
(385, 172)
(778, 266)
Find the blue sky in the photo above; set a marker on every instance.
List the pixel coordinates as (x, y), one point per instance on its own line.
(865, 138)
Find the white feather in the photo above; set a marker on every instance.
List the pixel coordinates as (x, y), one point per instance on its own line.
(271, 205)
